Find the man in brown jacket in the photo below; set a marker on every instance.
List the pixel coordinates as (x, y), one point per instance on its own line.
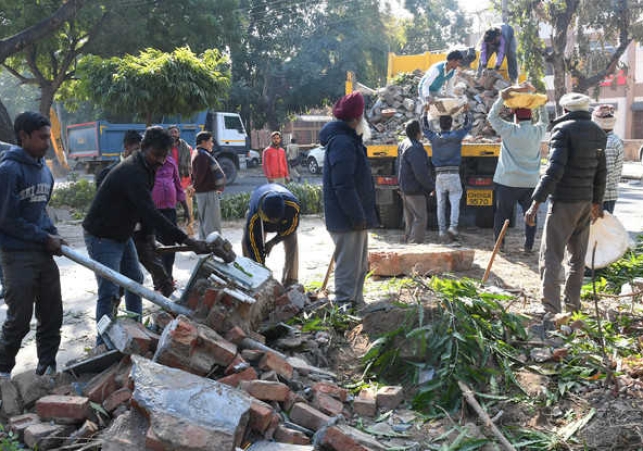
(208, 180)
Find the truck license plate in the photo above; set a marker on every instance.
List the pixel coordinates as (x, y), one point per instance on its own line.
(480, 197)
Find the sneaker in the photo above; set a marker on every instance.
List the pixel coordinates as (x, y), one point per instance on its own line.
(46, 369)
(453, 233)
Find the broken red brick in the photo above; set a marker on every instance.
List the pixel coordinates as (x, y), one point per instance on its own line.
(161, 319)
(221, 350)
(153, 443)
(365, 404)
(287, 435)
(327, 404)
(260, 416)
(388, 398)
(336, 440)
(46, 436)
(236, 366)
(332, 390)
(54, 407)
(117, 398)
(19, 423)
(272, 361)
(102, 385)
(292, 399)
(129, 336)
(265, 390)
(308, 417)
(249, 374)
(210, 298)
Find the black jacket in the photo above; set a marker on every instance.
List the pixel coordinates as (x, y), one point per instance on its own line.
(415, 171)
(349, 193)
(577, 168)
(123, 199)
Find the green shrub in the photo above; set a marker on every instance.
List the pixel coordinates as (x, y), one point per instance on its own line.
(76, 195)
(310, 197)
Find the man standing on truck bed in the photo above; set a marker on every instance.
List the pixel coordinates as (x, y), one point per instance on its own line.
(518, 169)
(501, 41)
(182, 154)
(446, 148)
(416, 182)
(349, 197)
(28, 241)
(123, 200)
(209, 182)
(575, 180)
(274, 161)
(435, 78)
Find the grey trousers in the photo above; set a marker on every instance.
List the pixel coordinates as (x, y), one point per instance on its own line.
(351, 265)
(415, 217)
(290, 274)
(209, 205)
(566, 227)
(448, 188)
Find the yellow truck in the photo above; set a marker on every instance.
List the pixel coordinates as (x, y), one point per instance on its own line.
(478, 160)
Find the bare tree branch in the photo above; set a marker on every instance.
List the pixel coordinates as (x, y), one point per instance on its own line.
(18, 42)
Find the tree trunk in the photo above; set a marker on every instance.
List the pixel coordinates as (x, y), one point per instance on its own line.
(562, 18)
(6, 125)
(47, 91)
(20, 41)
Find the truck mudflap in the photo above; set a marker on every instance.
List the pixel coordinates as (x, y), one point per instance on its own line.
(389, 206)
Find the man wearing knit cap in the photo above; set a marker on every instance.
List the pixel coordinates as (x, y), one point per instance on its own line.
(349, 197)
(575, 183)
(518, 168)
(273, 209)
(605, 118)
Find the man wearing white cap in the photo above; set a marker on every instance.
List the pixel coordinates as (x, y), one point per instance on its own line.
(604, 116)
(575, 183)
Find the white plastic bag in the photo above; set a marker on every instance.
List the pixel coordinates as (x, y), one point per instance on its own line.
(611, 239)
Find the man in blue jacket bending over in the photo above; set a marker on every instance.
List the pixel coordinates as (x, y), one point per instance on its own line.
(28, 241)
(273, 209)
(349, 197)
(446, 156)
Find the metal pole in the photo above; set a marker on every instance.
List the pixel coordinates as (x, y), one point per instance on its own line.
(125, 282)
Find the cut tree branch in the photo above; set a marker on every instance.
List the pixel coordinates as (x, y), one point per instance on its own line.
(18, 42)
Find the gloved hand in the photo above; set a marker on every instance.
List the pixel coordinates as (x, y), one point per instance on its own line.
(197, 246)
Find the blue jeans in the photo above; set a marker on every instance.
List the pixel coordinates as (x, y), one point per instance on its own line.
(448, 188)
(120, 257)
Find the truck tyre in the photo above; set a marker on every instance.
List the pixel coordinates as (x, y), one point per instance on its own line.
(229, 169)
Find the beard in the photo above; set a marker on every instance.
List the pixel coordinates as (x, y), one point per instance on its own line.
(363, 129)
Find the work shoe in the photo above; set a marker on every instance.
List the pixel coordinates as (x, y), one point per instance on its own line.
(46, 369)
(453, 233)
(445, 238)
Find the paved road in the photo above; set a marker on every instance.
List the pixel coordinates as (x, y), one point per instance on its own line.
(248, 179)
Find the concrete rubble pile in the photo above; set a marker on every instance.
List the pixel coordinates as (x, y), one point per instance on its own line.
(395, 104)
(203, 381)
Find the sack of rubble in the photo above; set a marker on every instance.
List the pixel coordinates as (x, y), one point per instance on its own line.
(525, 100)
(611, 240)
(447, 106)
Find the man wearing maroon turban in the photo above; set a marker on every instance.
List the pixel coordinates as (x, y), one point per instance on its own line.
(349, 197)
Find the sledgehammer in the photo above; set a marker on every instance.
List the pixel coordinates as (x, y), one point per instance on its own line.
(124, 282)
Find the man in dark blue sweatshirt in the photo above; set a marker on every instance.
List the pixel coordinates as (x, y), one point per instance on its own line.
(273, 209)
(446, 148)
(28, 241)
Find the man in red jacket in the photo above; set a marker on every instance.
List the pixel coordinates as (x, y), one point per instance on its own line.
(275, 164)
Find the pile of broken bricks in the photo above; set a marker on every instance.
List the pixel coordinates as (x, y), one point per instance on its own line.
(393, 105)
(182, 385)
